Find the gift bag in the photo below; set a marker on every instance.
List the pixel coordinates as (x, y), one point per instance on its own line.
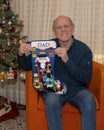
(8, 109)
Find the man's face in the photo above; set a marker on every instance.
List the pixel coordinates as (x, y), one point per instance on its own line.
(63, 29)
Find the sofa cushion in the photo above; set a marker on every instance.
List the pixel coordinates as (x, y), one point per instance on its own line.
(67, 107)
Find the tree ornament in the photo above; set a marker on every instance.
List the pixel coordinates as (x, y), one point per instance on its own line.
(0, 30)
(0, 20)
(15, 74)
(3, 53)
(3, 22)
(13, 16)
(2, 76)
(6, 33)
(9, 8)
(22, 75)
(21, 21)
(10, 29)
(11, 74)
(8, 42)
(9, 23)
(15, 41)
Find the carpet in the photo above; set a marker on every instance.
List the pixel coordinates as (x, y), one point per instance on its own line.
(18, 123)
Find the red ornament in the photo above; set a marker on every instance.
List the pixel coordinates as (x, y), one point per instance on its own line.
(11, 74)
(15, 74)
(3, 53)
(9, 8)
(13, 29)
(21, 21)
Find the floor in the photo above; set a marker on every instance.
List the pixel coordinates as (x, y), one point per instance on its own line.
(18, 123)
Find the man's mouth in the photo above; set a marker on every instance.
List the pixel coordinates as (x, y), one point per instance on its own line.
(64, 34)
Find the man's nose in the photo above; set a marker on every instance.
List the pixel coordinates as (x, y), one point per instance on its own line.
(62, 28)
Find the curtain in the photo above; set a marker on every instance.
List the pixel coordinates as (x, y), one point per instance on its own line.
(87, 16)
(38, 15)
(14, 90)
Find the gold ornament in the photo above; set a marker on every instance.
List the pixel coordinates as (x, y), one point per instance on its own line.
(2, 76)
(0, 30)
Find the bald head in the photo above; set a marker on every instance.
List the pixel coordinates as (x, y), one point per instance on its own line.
(61, 17)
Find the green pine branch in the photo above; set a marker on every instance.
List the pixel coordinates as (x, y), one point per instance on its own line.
(11, 29)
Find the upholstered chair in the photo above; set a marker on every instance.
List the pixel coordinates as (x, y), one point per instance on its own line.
(71, 117)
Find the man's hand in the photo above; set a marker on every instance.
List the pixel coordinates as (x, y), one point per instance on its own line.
(62, 53)
(24, 49)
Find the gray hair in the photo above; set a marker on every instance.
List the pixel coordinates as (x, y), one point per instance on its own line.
(70, 21)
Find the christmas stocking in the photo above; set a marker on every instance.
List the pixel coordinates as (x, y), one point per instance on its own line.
(43, 57)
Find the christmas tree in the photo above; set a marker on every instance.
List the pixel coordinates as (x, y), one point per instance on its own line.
(11, 29)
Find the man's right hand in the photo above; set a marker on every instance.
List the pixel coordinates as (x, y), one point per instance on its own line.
(24, 49)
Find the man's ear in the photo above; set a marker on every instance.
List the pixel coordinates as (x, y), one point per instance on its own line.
(73, 28)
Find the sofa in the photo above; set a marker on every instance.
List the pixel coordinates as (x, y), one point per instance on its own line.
(71, 117)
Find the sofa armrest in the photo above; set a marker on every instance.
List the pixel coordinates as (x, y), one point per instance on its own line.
(96, 84)
(31, 94)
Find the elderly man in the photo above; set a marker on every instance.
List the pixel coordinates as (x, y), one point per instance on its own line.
(73, 66)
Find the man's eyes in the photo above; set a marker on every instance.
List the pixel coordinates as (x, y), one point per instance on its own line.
(60, 27)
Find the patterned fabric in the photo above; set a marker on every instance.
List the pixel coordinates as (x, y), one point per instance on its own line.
(9, 110)
(43, 57)
(5, 106)
(18, 123)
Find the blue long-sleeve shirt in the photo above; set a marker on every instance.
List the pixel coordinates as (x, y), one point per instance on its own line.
(75, 73)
